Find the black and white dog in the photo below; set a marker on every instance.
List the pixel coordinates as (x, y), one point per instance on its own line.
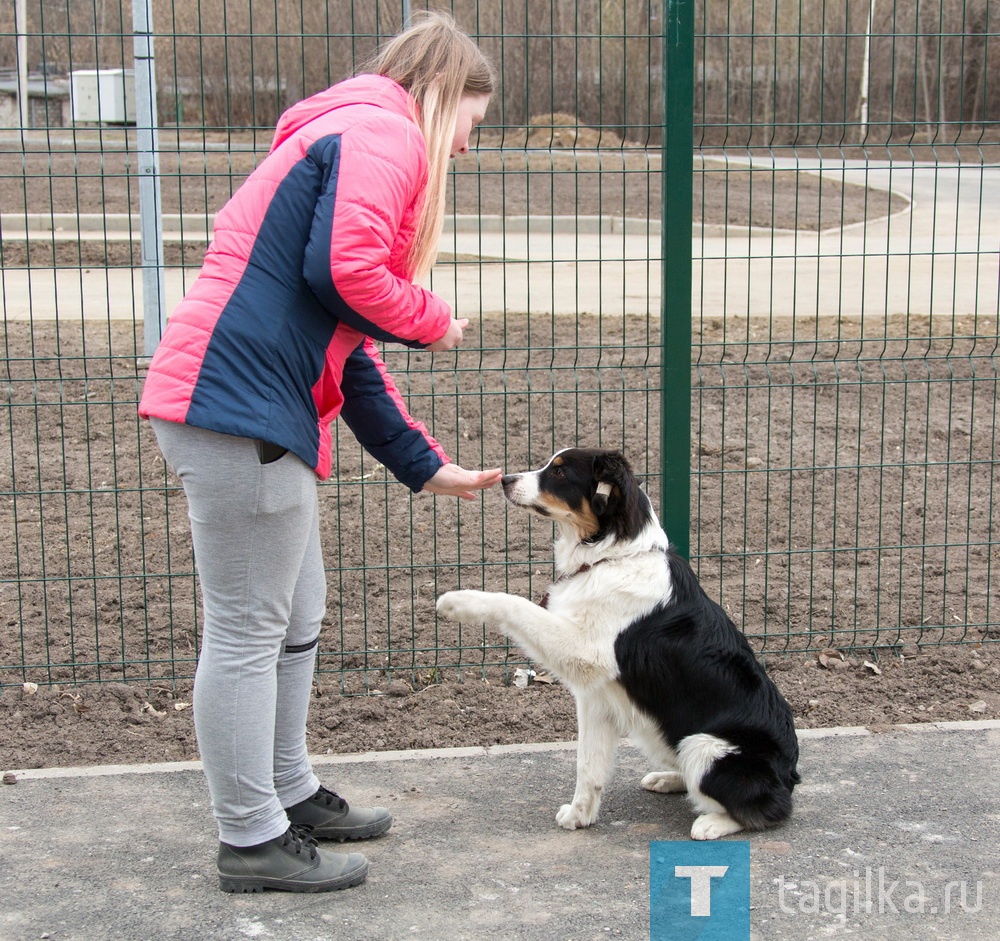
(645, 652)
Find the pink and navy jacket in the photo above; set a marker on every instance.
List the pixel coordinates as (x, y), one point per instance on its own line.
(307, 268)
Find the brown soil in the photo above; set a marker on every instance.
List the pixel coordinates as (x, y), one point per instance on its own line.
(120, 724)
(113, 656)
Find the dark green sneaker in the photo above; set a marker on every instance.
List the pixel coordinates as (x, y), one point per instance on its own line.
(329, 817)
(292, 862)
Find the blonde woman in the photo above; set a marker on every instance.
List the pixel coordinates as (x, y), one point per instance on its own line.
(314, 259)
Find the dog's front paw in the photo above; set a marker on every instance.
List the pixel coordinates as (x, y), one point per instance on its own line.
(467, 605)
(571, 817)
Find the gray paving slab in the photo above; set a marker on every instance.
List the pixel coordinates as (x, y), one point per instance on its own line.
(887, 831)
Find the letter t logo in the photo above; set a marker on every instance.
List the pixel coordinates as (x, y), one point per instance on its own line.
(701, 886)
(699, 889)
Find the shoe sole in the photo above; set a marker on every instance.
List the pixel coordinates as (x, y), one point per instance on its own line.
(254, 884)
(377, 828)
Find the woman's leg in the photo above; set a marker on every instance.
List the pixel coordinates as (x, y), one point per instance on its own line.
(252, 525)
(299, 790)
(294, 779)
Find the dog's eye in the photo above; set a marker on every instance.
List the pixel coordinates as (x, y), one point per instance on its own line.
(558, 471)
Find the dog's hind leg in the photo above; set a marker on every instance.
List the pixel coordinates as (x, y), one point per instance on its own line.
(595, 765)
(664, 782)
(699, 754)
(647, 736)
(712, 826)
(749, 788)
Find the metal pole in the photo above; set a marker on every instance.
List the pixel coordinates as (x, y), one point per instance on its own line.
(865, 70)
(21, 28)
(154, 304)
(675, 312)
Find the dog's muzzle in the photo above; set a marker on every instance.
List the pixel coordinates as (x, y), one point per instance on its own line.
(515, 490)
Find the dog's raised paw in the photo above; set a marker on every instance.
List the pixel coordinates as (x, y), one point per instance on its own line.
(462, 605)
(449, 605)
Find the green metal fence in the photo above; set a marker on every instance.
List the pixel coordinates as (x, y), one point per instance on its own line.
(846, 321)
(834, 440)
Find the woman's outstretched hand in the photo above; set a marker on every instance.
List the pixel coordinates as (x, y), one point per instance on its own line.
(454, 481)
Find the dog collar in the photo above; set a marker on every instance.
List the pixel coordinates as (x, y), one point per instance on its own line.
(586, 567)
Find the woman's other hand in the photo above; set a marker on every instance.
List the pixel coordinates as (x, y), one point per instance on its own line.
(452, 337)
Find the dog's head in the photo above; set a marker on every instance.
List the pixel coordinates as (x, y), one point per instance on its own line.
(592, 492)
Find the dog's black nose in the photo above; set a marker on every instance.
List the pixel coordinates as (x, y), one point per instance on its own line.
(507, 480)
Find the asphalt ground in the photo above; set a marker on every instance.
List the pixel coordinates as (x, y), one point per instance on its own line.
(889, 831)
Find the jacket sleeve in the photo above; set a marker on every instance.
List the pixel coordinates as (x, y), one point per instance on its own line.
(376, 414)
(372, 175)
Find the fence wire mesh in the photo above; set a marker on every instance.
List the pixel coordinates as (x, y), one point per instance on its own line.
(844, 331)
(846, 321)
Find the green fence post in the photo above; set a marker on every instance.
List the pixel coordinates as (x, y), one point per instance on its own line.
(675, 289)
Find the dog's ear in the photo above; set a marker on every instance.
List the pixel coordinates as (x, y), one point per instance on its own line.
(611, 474)
(599, 501)
(615, 482)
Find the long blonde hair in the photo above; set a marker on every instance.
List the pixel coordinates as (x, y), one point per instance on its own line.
(437, 64)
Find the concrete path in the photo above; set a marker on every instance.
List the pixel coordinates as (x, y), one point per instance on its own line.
(939, 255)
(889, 830)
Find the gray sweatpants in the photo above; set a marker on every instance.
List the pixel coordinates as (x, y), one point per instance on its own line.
(256, 544)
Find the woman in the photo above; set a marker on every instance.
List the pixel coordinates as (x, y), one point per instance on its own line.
(314, 258)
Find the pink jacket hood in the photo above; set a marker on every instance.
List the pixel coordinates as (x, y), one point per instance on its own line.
(363, 89)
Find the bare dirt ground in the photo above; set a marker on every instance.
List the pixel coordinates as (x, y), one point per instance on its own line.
(70, 415)
(125, 723)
